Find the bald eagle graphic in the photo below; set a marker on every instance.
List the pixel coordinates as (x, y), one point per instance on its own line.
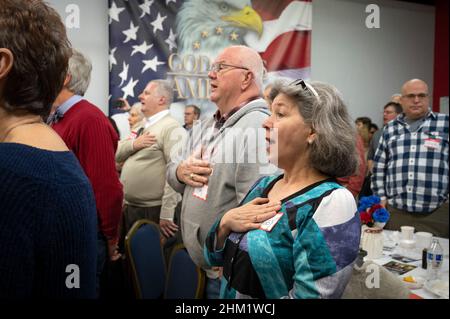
(206, 27)
(209, 26)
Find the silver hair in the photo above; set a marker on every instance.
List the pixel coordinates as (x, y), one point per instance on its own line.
(137, 106)
(333, 151)
(165, 88)
(80, 73)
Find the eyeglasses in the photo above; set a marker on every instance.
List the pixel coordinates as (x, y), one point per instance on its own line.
(217, 67)
(412, 96)
(305, 86)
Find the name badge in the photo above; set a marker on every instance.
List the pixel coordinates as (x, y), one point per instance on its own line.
(201, 192)
(432, 143)
(269, 224)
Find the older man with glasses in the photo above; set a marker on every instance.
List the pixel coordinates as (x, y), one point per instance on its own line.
(410, 171)
(210, 183)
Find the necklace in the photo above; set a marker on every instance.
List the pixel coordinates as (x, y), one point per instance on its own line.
(10, 129)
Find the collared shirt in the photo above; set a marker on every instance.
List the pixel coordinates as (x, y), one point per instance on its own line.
(63, 108)
(411, 167)
(155, 118)
(221, 119)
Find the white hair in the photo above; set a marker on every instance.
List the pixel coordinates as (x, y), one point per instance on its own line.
(80, 73)
(165, 88)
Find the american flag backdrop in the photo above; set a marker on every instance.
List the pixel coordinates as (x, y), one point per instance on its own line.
(157, 39)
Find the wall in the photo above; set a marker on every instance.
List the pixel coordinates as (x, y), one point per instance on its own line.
(441, 54)
(367, 65)
(91, 39)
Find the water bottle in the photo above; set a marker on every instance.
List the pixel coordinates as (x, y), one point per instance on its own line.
(435, 258)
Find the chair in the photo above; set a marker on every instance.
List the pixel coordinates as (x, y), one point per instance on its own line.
(184, 279)
(144, 253)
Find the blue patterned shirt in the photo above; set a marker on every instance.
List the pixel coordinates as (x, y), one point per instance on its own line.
(411, 168)
(309, 253)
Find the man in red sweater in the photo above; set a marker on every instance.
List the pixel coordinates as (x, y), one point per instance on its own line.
(89, 134)
(355, 182)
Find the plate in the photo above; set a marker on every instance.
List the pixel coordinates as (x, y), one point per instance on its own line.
(438, 287)
(417, 284)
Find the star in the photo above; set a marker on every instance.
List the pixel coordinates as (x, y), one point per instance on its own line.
(205, 34)
(234, 36)
(124, 74)
(196, 45)
(157, 24)
(145, 7)
(171, 41)
(112, 59)
(114, 12)
(169, 1)
(151, 64)
(128, 90)
(143, 48)
(219, 30)
(131, 32)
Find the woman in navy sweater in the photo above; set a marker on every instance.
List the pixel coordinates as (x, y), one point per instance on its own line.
(48, 223)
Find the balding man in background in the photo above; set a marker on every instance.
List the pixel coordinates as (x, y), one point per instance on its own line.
(191, 114)
(390, 111)
(396, 98)
(410, 171)
(147, 194)
(210, 185)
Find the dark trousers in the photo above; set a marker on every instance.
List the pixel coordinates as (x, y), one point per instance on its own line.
(132, 214)
(435, 222)
(176, 239)
(102, 255)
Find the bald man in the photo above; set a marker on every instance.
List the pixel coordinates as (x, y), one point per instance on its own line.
(410, 171)
(396, 98)
(236, 88)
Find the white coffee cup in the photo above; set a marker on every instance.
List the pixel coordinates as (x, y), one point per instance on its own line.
(423, 239)
(407, 232)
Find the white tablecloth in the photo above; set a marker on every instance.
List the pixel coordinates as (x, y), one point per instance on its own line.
(391, 239)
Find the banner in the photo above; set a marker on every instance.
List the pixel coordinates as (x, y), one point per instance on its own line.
(178, 40)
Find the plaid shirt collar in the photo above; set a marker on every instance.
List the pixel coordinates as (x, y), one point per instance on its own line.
(221, 119)
(402, 117)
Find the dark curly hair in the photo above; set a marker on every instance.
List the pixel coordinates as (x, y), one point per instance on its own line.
(36, 36)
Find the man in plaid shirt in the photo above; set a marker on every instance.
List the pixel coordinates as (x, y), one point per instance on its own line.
(410, 172)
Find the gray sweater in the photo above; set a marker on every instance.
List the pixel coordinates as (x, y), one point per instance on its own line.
(239, 158)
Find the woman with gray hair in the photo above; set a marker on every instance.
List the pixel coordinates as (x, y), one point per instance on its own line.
(295, 235)
(136, 115)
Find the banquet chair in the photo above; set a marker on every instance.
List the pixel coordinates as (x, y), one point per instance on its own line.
(185, 280)
(144, 253)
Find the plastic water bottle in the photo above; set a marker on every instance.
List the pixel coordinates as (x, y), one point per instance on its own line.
(435, 258)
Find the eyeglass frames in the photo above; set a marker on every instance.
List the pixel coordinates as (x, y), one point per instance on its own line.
(217, 67)
(412, 96)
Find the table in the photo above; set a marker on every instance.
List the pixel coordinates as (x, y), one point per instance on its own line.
(391, 239)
